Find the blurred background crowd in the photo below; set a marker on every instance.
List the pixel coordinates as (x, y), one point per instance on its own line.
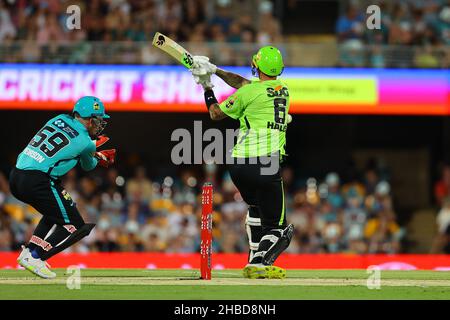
(335, 212)
(424, 24)
(141, 213)
(413, 33)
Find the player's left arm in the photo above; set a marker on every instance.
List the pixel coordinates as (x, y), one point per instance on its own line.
(212, 104)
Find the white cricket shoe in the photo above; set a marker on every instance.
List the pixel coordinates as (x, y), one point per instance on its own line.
(36, 266)
(25, 252)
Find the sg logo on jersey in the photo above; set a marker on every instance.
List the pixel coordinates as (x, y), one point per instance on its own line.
(279, 91)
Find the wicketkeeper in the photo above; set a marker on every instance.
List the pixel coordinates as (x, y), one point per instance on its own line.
(262, 108)
(63, 142)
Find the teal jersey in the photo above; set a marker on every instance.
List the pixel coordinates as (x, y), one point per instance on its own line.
(58, 147)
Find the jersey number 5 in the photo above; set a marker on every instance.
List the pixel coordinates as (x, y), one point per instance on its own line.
(57, 141)
(280, 110)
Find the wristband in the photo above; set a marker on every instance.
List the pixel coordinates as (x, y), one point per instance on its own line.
(210, 99)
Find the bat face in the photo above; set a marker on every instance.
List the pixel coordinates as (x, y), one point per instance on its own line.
(173, 49)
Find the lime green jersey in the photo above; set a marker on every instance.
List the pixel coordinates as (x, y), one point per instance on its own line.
(262, 108)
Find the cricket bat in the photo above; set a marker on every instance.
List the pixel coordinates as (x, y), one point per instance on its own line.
(173, 49)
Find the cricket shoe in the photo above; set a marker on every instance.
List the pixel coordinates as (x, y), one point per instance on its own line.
(25, 252)
(36, 266)
(260, 271)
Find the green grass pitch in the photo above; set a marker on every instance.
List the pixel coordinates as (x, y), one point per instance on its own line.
(226, 284)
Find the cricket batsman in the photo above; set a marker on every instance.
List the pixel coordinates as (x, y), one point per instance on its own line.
(262, 108)
(63, 142)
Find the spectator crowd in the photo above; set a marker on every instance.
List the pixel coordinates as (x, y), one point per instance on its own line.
(413, 33)
(163, 215)
(121, 31)
(423, 25)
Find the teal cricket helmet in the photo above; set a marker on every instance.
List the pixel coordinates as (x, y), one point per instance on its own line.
(89, 106)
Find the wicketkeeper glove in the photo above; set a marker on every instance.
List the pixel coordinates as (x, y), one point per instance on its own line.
(101, 140)
(106, 157)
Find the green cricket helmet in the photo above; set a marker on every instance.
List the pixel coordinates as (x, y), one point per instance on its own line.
(90, 107)
(269, 61)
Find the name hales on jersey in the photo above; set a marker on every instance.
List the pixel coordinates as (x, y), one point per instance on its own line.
(276, 126)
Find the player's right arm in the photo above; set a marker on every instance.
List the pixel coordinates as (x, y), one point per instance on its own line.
(215, 113)
(87, 157)
(232, 79)
(212, 104)
(202, 66)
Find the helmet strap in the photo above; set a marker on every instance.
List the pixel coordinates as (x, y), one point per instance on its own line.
(255, 71)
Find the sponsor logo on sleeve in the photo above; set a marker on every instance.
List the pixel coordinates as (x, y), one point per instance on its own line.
(229, 104)
(62, 125)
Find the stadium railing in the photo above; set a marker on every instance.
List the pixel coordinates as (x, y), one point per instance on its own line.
(326, 54)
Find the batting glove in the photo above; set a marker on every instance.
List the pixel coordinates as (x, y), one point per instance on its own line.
(106, 157)
(202, 70)
(203, 64)
(204, 81)
(202, 77)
